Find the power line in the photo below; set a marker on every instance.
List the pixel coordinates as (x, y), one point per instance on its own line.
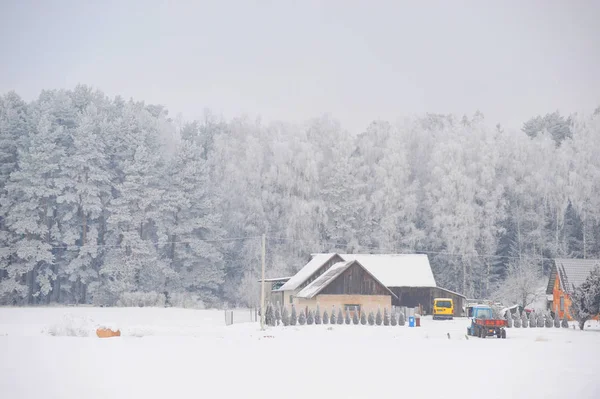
(334, 244)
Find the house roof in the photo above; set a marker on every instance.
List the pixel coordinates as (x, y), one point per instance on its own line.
(397, 270)
(321, 282)
(392, 270)
(308, 270)
(572, 273)
(274, 279)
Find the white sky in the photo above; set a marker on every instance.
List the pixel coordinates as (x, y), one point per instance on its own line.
(358, 61)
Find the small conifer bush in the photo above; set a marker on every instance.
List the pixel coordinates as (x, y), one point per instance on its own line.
(378, 318)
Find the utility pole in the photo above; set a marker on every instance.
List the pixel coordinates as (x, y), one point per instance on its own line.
(262, 284)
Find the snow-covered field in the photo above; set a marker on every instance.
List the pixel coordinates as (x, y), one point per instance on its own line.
(178, 353)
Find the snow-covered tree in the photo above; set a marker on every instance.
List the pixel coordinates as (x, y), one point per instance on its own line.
(355, 319)
(548, 322)
(393, 319)
(347, 319)
(524, 320)
(332, 318)
(556, 320)
(363, 317)
(378, 318)
(564, 322)
(509, 319)
(302, 318)
(386, 317)
(540, 319)
(318, 315)
(517, 321)
(285, 317)
(371, 318)
(401, 319)
(311, 318)
(532, 320)
(326, 317)
(585, 299)
(293, 316)
(340, 317)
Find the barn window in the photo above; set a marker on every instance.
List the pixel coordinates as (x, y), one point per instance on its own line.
(352, 308)
(562, 303)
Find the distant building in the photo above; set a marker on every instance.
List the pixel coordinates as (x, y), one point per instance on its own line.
(359, 281)
(565, 276)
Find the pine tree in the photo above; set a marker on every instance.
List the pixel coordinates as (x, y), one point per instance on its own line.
(565, 322)
(355, 319)
(293, 316)
(548, 321)
(394, 319)
(401, 319)
(371, 318)
(277, 315)
(348, 320)
(517, 322)
(524, 320)
(302, 318)
(363, 317)
(311, 318)
(318, 316)
(556, 320)
(332, 318)
(386, 317)
(540, 320)
(285, 317)
(378, 318)
(532, 320)
(325, 317)
(340, 317)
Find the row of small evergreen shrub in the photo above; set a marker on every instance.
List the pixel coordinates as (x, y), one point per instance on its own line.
(274, 317)
(534, 320)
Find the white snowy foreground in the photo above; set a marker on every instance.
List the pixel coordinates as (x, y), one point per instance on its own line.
(177, 353)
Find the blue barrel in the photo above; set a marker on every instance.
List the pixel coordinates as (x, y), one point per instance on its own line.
(411, 321)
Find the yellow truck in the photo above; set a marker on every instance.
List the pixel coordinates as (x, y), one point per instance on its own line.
(443, 309)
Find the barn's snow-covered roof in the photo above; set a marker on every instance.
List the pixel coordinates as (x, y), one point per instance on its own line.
(392, 270)
(308, 270)
(397, 270)
(324, 279)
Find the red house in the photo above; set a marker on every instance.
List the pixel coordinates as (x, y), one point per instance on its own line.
(566, 275)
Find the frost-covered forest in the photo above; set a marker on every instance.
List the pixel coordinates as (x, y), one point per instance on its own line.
(102, 197)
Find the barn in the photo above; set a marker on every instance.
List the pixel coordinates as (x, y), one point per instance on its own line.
(407, 279)
(567, 274)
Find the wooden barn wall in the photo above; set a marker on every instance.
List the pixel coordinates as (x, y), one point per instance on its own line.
(355, 281)
(321, 270)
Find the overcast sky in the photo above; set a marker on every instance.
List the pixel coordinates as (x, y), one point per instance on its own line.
(358, 61)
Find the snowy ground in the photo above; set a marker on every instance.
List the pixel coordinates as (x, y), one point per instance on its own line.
(177, 353)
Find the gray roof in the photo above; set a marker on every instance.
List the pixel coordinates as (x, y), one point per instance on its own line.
(572, 273)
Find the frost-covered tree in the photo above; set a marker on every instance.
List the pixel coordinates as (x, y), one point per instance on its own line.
(509, 319)
(540, 319)
(332, 318)
(532, 320)
(363, 317)
(302, 318)
(556, 320)
(386, 317)
(348, 319)
(340, 317)
(293, 316)
(517, 321)
(524, 319)
(318, 315)
(355, 319)
(401, 319)
(585, 299)
(548, 322)
(285, 317)
(378, 318)
(371, 318)
(393, 319)
(564, 322)
(325, 317)
(310, 320)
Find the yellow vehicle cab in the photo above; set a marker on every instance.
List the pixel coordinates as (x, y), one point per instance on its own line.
(443, 308)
